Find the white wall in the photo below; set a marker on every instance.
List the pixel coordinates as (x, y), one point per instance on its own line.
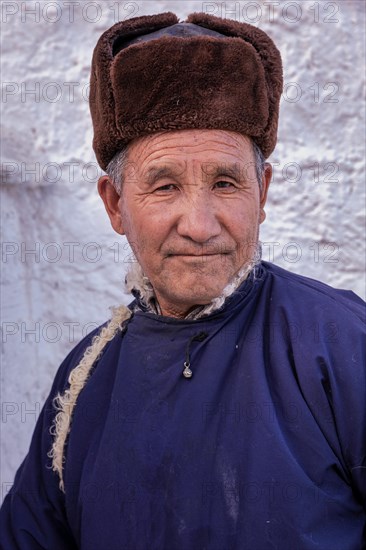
(64, 288)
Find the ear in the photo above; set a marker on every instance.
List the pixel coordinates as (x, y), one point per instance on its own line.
(111, 200)
(266, 180)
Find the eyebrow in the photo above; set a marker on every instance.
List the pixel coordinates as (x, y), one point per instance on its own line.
(209, 169)
(159, 172)
(215, 170)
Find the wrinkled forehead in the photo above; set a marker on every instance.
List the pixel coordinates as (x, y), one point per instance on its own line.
(190, 142)
(196, 151)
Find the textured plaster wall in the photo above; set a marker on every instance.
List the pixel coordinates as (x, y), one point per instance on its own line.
(62, 266)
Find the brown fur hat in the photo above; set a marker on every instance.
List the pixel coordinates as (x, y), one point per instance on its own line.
(152, 73)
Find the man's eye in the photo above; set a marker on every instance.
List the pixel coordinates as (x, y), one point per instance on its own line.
(167, 187)
(224, 185)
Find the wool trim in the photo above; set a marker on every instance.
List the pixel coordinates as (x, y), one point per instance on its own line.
(65, 403)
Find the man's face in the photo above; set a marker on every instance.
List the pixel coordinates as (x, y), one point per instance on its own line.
(190, 208)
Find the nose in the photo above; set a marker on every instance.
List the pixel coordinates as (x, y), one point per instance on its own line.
(198, 220)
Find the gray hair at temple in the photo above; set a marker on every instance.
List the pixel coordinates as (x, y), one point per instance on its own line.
(117, 166)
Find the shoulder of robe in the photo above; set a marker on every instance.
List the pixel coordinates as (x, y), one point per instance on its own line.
(311, 296)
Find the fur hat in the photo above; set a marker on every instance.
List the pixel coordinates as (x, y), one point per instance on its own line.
(152, 73)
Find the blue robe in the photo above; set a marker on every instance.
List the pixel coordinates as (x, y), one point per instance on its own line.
(264, 447)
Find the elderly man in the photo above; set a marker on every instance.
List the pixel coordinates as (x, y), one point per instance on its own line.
(225, 407)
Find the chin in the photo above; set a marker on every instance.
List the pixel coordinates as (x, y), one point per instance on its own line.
(194, 296)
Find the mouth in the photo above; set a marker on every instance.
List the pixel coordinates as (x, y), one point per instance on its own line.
(202, 253)
(198, 257)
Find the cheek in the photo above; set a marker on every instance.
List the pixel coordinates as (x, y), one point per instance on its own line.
(132, 216)
(243, 222)
(143, 235)
(131, 231)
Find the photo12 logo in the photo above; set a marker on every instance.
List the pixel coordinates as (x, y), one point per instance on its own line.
(53, 12)
(270, 11)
